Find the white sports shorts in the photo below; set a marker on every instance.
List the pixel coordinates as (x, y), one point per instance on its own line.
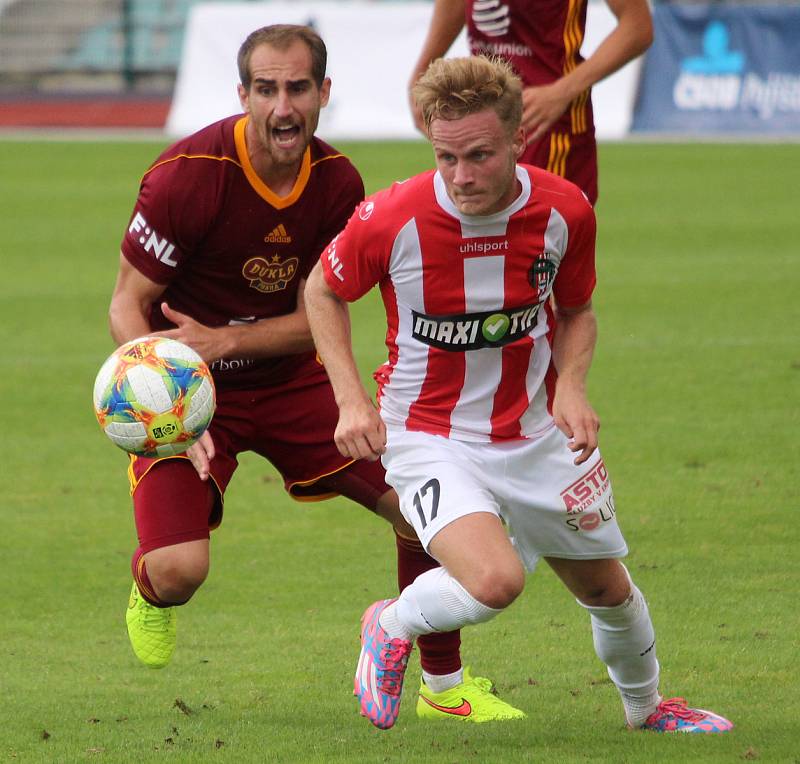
(551, 507)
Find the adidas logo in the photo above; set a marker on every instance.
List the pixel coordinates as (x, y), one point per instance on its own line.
(278, 235)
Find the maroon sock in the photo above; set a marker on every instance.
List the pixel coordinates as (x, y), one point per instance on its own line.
(139, 570)
(439, 652)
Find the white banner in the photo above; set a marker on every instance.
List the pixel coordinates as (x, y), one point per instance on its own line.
(371, 49)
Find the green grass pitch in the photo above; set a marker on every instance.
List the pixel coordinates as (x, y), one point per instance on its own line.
(697, 382)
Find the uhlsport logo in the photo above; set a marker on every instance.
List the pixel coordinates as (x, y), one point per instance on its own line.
(150, 240)
(270, 275)
(365, 210)
(586, 490)
(278, 235)
(474, 331)
(483, 247)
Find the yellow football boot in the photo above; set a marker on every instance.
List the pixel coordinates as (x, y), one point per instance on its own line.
(471, 701)
(152, 630)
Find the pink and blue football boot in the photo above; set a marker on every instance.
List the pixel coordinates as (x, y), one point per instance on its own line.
(381, 669)
(673, 715)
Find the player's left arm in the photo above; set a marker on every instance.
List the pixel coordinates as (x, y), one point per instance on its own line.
(543, 105)
(573, 349)
(280, 335)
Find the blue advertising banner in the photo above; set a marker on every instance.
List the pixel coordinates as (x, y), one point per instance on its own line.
(721, 69)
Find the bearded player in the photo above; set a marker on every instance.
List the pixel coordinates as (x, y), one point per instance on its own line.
(227, 225)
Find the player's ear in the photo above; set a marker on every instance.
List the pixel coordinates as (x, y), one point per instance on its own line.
(243, 98)
(518, 142)
(325, 91)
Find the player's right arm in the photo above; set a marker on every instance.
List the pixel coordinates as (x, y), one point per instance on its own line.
(133, 297)
(360, 433)
(129, 317)
(446, 23)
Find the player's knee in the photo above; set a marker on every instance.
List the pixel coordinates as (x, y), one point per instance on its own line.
(497, 586)
(178, 585)
(177, 579)
(605, 594)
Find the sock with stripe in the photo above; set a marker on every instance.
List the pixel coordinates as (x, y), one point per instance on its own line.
(139, 570)
(439, 653)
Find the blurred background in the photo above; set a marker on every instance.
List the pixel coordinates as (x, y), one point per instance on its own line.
(715, 68)
(89, 62)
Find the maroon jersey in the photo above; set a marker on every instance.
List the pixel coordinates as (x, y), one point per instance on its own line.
(228, 249)
(541, 39)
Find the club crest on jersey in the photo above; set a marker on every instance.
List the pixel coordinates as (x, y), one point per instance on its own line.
(270, 275)
(474, 331)
(542, 274)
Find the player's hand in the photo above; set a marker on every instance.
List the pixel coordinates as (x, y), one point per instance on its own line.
(542, 105)
(201, 453)
(360, 433)
(577, 420)
(204, 340)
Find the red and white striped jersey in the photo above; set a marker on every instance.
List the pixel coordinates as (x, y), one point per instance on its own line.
(467, 302)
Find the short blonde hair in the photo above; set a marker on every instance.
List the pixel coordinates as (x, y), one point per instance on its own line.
(452, 88)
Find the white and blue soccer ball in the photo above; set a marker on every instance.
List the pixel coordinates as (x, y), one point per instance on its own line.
(154, 396)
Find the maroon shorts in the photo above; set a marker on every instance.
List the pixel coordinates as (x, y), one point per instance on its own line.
(570, 155)
(291, 425)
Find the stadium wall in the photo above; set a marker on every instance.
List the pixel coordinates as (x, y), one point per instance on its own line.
(371, 47)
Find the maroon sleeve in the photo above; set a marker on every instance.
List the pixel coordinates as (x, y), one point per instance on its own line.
(346, 192)
(576, 276)
(175, 203)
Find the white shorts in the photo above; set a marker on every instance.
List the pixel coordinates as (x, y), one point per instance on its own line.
(551, 507)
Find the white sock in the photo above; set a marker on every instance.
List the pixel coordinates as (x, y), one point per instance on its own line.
(624, 640)
(434, 601)
(442, 682)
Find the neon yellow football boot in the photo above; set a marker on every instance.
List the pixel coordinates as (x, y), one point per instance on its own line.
(152, 630)
(471, 701)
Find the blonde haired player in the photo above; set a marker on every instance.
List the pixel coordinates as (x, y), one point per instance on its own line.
(484, 421)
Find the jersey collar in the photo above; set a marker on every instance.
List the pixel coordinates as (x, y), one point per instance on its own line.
(480, 223)
(261, 188)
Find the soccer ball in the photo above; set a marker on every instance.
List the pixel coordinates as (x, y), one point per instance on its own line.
(154, 396)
